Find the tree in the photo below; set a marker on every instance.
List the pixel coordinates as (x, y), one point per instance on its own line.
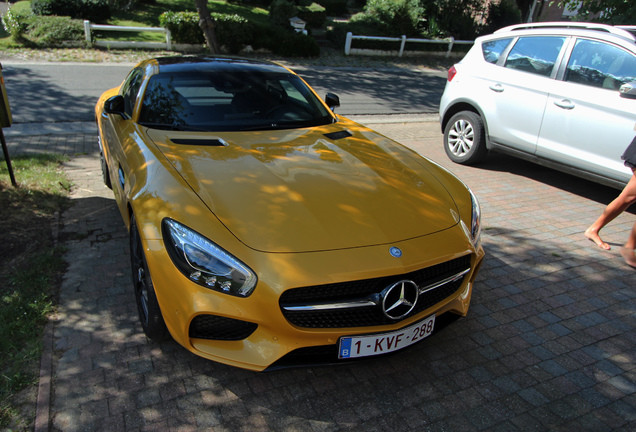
(611, 11)
(207, 24)
(524, 7)
(458, 18)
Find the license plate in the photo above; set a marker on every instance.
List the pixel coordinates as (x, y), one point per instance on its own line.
(364, 346)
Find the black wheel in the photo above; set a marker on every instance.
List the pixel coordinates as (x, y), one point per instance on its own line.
(464, 138)
(149, 313)
(102, 160)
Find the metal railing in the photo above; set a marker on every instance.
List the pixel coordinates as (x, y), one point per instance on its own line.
(126, 44)
(403, 40)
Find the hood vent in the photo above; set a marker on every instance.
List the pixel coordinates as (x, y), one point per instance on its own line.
(215, 142)
(338, 135)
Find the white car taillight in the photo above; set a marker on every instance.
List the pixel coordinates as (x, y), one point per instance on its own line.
(451, 73)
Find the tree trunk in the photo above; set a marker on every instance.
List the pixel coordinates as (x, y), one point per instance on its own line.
(207, 24)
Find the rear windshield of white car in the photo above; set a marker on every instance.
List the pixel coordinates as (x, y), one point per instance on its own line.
(230, 101)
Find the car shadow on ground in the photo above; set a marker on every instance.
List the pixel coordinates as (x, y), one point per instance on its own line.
(500, 162)
(547, 343)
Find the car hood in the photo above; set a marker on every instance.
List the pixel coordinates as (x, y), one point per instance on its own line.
(332, 187)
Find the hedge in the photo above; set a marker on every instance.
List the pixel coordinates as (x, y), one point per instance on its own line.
(93, 10)
(235, 32)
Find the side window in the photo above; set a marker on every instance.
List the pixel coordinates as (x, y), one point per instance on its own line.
(292, 92)
(492, 49)
(130, 89)
(601, 65)
(536, 55)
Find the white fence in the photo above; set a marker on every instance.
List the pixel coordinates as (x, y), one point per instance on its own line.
(127, 44)
(403, 40)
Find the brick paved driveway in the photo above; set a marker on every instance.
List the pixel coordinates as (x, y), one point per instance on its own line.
(549, 342)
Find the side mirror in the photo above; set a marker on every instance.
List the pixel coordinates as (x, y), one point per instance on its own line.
(628, 90)
(332, 101)
(115, 105)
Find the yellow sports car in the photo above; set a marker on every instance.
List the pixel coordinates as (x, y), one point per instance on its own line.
(267, 231)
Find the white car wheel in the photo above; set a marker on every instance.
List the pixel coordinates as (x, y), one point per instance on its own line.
(464, 139)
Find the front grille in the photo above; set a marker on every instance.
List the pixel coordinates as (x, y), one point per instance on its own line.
(215, 327)
(365, 289)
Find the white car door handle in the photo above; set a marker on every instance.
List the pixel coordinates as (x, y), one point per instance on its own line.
(565, 104)
(497, 88)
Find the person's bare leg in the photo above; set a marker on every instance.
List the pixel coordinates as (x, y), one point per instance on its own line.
(627, 251)
(626, 198)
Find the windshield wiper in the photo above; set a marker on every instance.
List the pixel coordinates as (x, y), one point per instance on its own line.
(166, 126)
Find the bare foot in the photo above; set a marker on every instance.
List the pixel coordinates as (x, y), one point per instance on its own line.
(593, 236)
(629, 255)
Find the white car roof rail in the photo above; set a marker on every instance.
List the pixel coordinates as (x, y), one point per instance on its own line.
(628, 28)
(620, 31)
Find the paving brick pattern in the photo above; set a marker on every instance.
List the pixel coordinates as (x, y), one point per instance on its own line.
(548, 345)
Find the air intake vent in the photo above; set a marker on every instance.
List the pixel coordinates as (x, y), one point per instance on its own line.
(200, 142)
(214, 327)
(338, 135)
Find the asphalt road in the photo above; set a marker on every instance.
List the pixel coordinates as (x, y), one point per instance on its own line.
(66, 92)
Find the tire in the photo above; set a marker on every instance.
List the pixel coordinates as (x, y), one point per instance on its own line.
(102, 160)
(464, 138)
(149, 312)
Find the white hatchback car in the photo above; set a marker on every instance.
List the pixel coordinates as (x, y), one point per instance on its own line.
(560, 94)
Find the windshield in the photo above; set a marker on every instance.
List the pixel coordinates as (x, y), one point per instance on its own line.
(230, 101)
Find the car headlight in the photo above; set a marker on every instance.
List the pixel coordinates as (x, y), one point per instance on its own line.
(475, 219)
(205, 263)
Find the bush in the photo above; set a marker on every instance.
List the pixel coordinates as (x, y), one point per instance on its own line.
(183, 26)
(402, 16)
(314, 14)
(16, 23)
(360, 24)
(51, 30)
(48, 7)
(457, 18)
(280, 11)
(335, 7)
(93, 10)
(297, 45)
(284, 42)
(232, 31)
(42, 30)
(123, 4)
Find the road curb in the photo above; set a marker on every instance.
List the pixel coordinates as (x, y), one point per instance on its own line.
(50, 128)
(43, 404)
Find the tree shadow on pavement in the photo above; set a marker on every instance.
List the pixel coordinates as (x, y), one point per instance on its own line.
(386, 91)
(34, 99)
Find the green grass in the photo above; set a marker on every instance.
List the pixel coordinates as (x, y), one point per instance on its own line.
(30, 269)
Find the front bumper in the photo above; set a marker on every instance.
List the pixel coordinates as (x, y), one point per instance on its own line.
(262, 335)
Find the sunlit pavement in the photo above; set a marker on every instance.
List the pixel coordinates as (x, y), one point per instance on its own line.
(549, 342)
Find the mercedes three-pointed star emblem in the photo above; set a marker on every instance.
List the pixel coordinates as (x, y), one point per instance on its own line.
(399, 299)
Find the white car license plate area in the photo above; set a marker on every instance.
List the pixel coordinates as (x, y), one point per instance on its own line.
(364, 346)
